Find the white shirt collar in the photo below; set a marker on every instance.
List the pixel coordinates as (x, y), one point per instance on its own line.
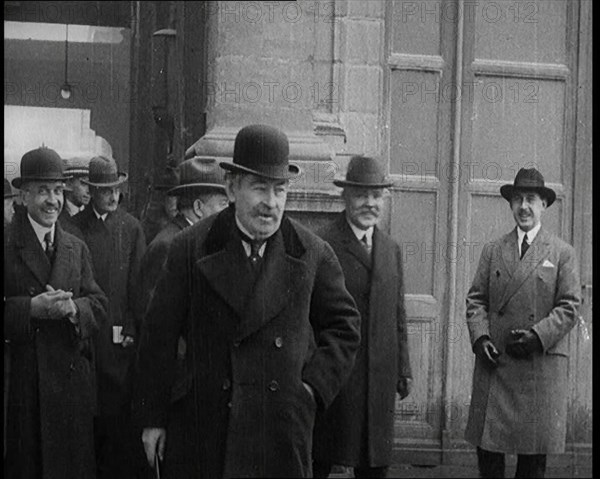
(71, 208)
(360, 233)
(531, 234)
(247, 248)
(99, 216)
(40, 231)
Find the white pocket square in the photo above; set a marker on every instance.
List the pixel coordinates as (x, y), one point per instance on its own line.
(547, 264)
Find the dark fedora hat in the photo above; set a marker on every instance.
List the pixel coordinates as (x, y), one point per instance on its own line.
(41, 164)
(77, 167)
(8, 191)
(199, 174)
(529, 179)
(104, 173)
(365, 172)
(168, 179)
(262, 150)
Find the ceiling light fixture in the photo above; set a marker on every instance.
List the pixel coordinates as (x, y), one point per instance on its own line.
(65, 90)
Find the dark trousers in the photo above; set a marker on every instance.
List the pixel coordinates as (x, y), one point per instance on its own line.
(321, 470)
(491, 464)
(119, 449)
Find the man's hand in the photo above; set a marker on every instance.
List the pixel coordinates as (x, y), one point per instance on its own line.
(523, 343)
(51, 304)
(154, 439)
(404, 387)
(486, 351)
(128, 341)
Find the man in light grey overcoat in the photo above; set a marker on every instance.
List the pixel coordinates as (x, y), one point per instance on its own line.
(523, 302)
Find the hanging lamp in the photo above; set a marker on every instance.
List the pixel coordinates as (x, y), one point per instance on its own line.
(65, 90)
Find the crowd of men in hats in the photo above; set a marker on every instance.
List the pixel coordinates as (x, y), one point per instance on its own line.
(239, 343)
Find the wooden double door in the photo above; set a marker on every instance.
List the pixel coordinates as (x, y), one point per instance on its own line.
(475, 91)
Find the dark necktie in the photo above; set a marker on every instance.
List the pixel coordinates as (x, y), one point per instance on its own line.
(365, 244)
(49, 246)
(524, 246)
(255, 246)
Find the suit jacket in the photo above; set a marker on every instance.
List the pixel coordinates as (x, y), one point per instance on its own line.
(343, 435)
(521, 407)
(251, 345)
(117, 246)
(52, 395)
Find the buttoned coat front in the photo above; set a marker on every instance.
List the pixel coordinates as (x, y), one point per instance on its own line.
(117, 246)
(358, 428)
(251, 345)
(521, 407)
(52, 396)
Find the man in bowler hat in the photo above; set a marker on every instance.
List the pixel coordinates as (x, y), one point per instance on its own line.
(117, 244)
(522, 304)
(271, 330)
(358, 428)
(52, 310)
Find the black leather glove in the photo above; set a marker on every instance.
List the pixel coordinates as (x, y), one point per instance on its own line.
(523, 343)
(486, 351)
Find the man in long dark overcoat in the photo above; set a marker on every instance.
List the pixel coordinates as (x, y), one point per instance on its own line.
(52, 309)
(116, 242)
(271, 330)
(358, 429)
(522, 304)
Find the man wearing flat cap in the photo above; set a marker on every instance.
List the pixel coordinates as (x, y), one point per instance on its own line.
(77, 193)
(358, 428)
(272, 331)
(52, 310)
(117, 244)
(522, 304)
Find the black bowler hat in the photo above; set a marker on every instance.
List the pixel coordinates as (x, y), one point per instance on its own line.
(8, 191)
(104, 173)
(41, 164)
(528, 179)
(199, 174)
(365, 172)
(263, 151)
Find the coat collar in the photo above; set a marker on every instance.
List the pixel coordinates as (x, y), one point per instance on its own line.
(225, 264)
(180, 221)
(522, 268)
(351, 243)
(33, 255)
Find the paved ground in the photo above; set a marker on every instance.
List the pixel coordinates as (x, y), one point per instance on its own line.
(403, 471)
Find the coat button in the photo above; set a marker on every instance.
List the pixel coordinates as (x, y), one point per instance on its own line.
(237, 344)
(278, 342)
(274, 385)
(229, 404)
(226, 384)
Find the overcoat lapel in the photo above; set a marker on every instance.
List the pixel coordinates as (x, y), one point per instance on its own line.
(538, 251)
(223, 270)
(351, 243)
(63, 259)
(279, 278)
(255, 302)
(31, 251)
(380, 275)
